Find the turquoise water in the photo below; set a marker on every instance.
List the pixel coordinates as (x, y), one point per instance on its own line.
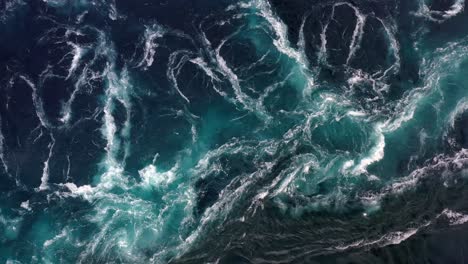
(233, 132)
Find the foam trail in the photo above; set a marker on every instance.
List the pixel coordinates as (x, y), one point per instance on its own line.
(376, 153)
(80, 17)
(2, 151)
(286, 182)
(78, 53)
(455, 9)
(322, 56)
(222, 67)
(301, 44)
(110, 128)
(358, 32)
(281, 31)
(462, 107)
(26, 206)
(152, 34)
(37, 101)
(49, 242)
(204, 66)
(440, 16)
(213, 76)
(67, 177)
(234, 80)
(45, 171)
(118, 89)
(66, 109)
(258, 62)
(438, 164)
(173, 66)
(113, 14)
(447, 58)
(151, 177)
(86, 76)
(282, 42)
(455, 218)
(394, 45)
(392, 238)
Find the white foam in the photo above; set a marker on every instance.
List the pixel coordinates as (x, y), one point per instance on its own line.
(87, 192)
(109, 126)
(118, 90)
(392, 238)
(348, 164)
(10, 261)
(151, 177)
(113, 14)
(322, 57)
(375, 154)
(455, 9)
(356, 113)
(301, 44)
(391, 30)
(152, 35)
(25, 205)
(447, 58)
(49, 242)
(111, 206)
(440, 164)
(77, 55)
(241, 5)
(222, 68)
(84, 189)
(204, 66)
(228, 72)
(2, 151)
(282, 42)
(100, 49)
(9, 8)
(462, 107)
(67, 177)
(37, 101)
(440, 16)
(454, 218)
(286, 182)
(45, 171)
(81, 16)
(357, 33)
(356, 78)
(173, 69)
(281, 31)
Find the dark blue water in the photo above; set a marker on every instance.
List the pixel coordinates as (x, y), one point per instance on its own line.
(260, 131)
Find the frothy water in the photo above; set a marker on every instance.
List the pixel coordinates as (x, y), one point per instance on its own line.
(261, 131)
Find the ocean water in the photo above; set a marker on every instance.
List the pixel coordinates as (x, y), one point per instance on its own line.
(221, 131)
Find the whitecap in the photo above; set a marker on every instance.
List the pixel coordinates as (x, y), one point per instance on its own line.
(151, 177)
(25, 205)
(375, 154)
(455, 218)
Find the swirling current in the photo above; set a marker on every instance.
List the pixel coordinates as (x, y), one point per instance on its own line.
(222, 131)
